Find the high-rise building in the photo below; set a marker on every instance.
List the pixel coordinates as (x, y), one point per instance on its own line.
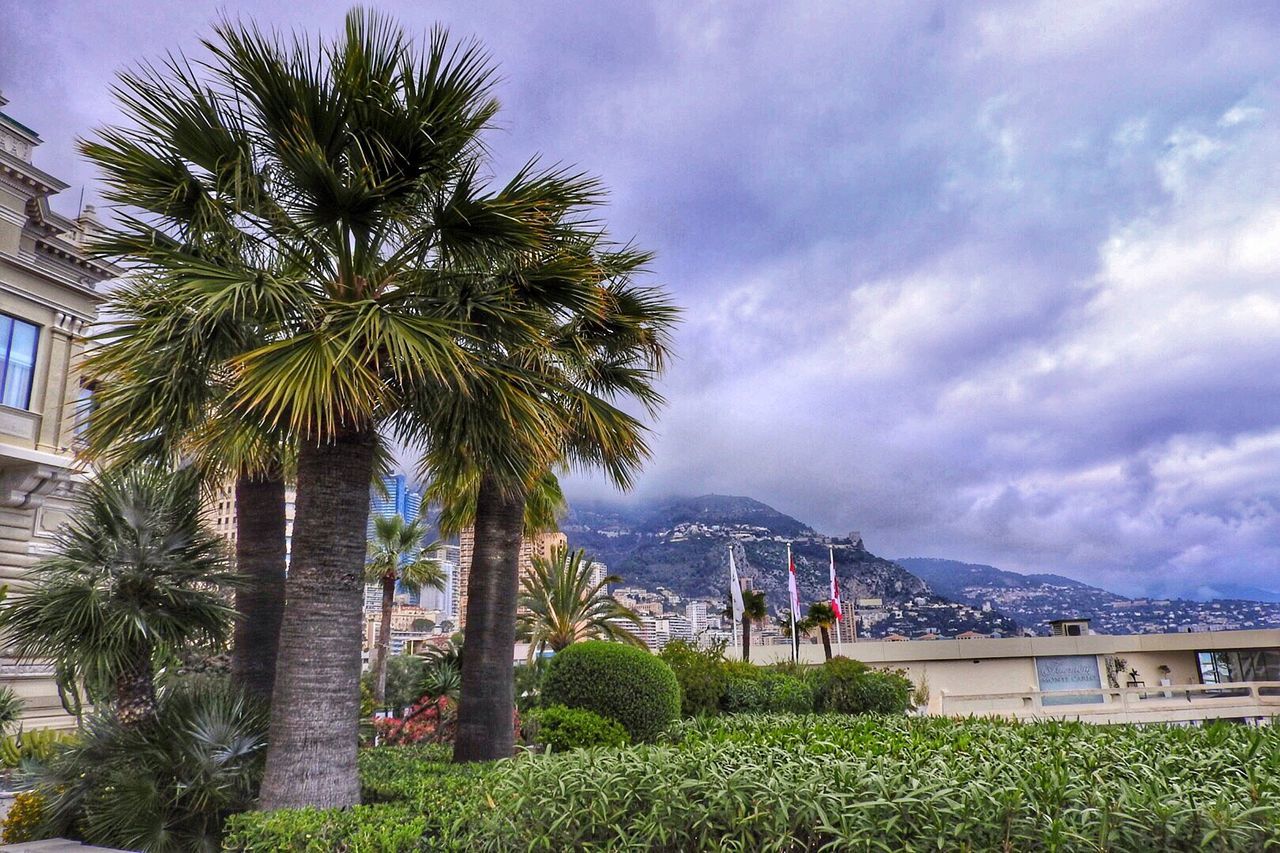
(543, 544)
(47, 300)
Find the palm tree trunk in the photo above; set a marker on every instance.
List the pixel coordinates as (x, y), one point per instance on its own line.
(485, 730)
(826, 640)
(746, 639)
(260, 557)
(384, 640)
(136, 690)
(315, 710)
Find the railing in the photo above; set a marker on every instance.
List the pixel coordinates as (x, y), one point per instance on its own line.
(1185, 702)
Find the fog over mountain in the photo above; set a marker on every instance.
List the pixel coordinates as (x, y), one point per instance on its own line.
(996, 282)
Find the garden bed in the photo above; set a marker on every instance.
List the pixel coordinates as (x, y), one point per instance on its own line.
(755, 782)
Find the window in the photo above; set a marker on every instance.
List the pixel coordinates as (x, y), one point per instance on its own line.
(17, 361)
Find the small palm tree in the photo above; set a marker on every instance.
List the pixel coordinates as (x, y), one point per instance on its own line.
(563, 604)
(823, 618)
(753, 610)
(395, 556)
(133, 578)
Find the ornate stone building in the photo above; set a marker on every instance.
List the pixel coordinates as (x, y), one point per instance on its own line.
(47, 300)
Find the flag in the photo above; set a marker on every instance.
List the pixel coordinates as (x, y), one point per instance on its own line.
(791, 586)
(835, 587)
(735, 590)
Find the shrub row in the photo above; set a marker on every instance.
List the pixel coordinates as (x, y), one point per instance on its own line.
(709, 684)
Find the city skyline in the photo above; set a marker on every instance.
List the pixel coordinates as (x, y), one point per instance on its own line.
(986, 288)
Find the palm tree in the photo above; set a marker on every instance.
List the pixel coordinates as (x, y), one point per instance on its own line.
(492, 444)
(133, 579)
(824, 619)
(395, 557)
(753, 610)
(564, 603)
(335, 191)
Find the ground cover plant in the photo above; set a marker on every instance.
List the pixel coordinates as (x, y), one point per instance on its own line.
(835, 782)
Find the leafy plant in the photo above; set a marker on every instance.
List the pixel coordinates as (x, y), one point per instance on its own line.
(384, 827)
(623, 683)
(562, 602)
(849, 687)
(701, 674)
(559, 729)
(165, 786)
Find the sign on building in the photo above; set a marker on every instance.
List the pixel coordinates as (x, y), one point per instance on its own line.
(1069, 672)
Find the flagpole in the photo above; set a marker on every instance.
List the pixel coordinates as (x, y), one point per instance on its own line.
(835, 592)
(791, 574)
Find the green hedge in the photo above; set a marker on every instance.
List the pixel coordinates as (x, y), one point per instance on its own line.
(559, 729)
(621, 682)
(894, 783)
(413, 798)
(382, 828)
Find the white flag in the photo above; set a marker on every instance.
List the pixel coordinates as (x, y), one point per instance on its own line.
(791, 586)
(735, 589)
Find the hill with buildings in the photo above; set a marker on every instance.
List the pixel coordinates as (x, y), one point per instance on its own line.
(682, 546)
(1033, 599)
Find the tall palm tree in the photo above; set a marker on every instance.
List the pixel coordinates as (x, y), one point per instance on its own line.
(823, 618)
(336, 189)
(396, 557)
(133, 578)
(754, 609)
(563, 603)
(604, 339)
(158, 395)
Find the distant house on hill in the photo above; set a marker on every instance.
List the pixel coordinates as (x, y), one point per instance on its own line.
(971, 635)
(895, 638)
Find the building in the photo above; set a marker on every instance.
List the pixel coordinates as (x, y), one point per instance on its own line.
(543, 545)
(1104, 678)
(47, 301)
(220, 511)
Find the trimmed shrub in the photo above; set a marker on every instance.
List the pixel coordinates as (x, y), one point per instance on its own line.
(787, 694)
(560, 729)
(384, 828)
(397, 773)
(623, 683)
(702, 676)
(744, 695)
(848, 687)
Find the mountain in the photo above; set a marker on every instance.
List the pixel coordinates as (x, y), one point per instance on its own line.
(683, 545)
(960, 581)
(1034, 599)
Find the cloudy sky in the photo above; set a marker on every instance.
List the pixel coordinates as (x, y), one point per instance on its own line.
(997, 282)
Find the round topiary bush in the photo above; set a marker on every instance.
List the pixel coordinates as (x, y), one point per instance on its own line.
(623, 683)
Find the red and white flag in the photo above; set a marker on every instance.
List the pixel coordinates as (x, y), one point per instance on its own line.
(835, 587)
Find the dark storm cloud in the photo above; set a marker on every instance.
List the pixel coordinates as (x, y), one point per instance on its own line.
(996, 281)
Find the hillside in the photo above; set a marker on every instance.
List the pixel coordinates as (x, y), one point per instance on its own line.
(683, 545)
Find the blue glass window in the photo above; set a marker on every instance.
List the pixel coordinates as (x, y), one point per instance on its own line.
(17, 361)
